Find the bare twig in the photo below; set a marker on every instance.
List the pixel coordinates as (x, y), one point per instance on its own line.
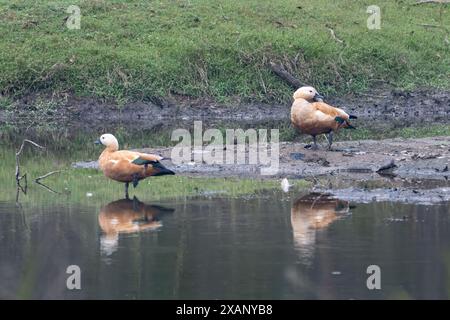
(333, 35)
(38, 181)
(431, 1)
(425, 25)
(47, 187)
(46, 175)
(281, 72)
(24, 176)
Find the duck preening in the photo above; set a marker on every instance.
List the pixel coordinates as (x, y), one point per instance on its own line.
(128, 166)
(311, 116)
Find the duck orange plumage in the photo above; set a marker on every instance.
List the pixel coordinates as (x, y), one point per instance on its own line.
(127, 216)
(313, 212)
(312, 116)
(128, 166)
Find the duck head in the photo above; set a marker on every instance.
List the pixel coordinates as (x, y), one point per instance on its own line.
(308, 93)
(109, 141)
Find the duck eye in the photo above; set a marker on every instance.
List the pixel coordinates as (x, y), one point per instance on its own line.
(103, 138)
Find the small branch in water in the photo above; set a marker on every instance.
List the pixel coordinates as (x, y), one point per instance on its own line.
(17, 174)
(38, 181)
(47, 188)
(46, 175)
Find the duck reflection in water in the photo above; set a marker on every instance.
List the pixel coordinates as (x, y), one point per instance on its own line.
(311, 213)
(127, 216)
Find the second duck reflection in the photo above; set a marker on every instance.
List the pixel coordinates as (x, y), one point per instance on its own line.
(310, 214)
(127, 216)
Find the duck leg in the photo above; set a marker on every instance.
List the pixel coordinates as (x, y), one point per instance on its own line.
(312, 146)
(315, 146)
(126, 190)
(330, 139)
(135, 180)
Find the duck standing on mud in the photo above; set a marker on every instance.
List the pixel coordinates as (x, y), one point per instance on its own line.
(128, 166)
(311, 116)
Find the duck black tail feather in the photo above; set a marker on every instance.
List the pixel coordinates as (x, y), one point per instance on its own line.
(349, 126)
(161, 169)
(352, 116)
(341, 121)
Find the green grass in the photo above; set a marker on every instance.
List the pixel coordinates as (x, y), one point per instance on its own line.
(139, 50)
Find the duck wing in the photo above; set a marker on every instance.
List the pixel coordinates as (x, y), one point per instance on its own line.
(133, 156)
(124, 165)
(145, 158)
(339, 115)
(330, 111)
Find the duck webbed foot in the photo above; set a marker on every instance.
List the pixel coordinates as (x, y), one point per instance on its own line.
(313, 146)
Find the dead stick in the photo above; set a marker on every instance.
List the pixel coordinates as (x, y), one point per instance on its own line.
(286, 76)
(18, 153)
(430, 26)
(333, 35)
(46, 187)
(431, 1)
(46, 175)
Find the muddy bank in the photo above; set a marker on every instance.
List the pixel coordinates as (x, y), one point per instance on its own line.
(426, 158)
(404, 195)
(382, 107)
(391, 169)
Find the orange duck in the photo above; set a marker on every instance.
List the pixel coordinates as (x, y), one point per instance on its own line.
(128, 166)
(313, 212)
(311, 116)
(127, 216)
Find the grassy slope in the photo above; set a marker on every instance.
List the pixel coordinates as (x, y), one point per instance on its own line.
(142, 49)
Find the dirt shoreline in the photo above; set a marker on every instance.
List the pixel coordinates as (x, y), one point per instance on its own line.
(425, 158)
(391, 169)
(380, 107)
(353, 164)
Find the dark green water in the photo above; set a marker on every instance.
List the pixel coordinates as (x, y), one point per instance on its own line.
(258, 247)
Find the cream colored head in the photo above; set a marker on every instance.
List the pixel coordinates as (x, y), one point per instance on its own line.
(307, 93)
(109, 141)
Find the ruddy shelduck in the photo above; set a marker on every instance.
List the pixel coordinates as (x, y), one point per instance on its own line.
(311, 116)
(313, 212)
(128, 166)
(127, 216)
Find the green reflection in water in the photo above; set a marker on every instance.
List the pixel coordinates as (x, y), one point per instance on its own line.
(90, 186)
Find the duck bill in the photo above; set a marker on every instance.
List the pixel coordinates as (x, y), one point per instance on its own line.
(97, 141)
(318, 97)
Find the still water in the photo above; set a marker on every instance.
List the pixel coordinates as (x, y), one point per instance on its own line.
(266, 246)
(183, 239)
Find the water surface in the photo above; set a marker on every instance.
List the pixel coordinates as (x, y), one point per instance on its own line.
(270, 245)
(192, 238)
